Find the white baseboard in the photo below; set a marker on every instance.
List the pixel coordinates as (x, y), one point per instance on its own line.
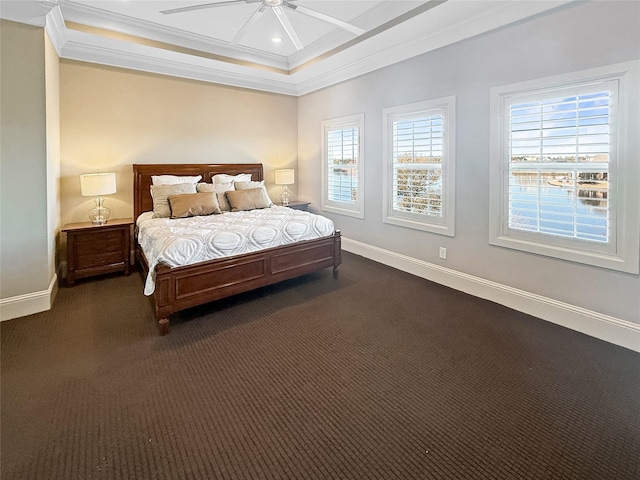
(29, 303)
(607, 328)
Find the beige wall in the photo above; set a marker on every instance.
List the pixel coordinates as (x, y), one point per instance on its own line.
(112, 118)
(52, 89)
(25, 267)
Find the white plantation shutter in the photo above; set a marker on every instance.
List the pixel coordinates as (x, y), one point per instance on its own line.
(419, 159)
(342, 164)
(559, 157)
(417, 149)
(343, 172)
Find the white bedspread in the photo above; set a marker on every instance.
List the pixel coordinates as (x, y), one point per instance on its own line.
(185, 241)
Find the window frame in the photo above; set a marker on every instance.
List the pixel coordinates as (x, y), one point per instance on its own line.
(353, 209)
(621, 252)
(444, 224)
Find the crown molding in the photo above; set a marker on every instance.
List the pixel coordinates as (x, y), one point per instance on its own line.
(55, 28)
(447, 23)
(89, 48)
(29, 12)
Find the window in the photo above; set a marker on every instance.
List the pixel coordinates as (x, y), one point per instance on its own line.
(343, 172)
(564, 170)
(419, 165)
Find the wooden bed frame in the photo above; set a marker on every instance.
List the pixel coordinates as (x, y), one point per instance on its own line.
(178, 288)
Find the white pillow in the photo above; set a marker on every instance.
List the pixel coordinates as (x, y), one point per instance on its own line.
(173, 179)
(244, 185)
(224, 178)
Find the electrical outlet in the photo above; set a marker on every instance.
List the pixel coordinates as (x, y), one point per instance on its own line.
(443, 253)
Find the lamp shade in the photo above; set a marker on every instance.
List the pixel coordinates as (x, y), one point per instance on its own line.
(94, 184)
(285, 176)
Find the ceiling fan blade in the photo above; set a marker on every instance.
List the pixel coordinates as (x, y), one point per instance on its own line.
(321, 16)
(202, 6)
(288, 28)
(242, 32)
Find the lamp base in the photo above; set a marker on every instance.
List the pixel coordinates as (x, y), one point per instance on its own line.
(284, 196)
(99, 214)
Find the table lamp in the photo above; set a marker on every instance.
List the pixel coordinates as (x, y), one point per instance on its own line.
(96, 185)
(285, 177)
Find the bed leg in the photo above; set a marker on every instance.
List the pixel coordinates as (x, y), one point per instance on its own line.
(335, 273)
(163, 323)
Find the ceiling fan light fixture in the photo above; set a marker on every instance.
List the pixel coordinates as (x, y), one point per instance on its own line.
(273, 3)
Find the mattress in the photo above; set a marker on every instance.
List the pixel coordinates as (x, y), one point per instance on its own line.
(185, 241)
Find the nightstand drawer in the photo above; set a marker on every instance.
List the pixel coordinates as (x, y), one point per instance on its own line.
(106, 237)
(98, 246)
(99, 260)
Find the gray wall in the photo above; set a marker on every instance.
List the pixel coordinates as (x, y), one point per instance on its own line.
(568, 39)
(25, 265)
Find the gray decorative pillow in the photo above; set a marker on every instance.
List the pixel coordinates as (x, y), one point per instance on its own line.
(249, 185)
(248, 199)
(161, 193)
(194, 204)
(219, 189)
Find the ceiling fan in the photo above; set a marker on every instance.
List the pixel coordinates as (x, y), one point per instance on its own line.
(276, 7)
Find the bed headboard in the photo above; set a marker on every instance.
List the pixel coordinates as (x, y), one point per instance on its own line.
(142, 201)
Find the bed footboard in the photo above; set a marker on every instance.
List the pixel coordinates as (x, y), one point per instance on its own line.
(183, 287)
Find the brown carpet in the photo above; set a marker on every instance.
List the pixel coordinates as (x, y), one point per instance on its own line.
(376, 375)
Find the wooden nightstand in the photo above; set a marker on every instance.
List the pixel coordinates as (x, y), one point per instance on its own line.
(296, 205)
(97, 249)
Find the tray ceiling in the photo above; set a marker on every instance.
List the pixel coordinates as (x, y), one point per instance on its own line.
(322, 42)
